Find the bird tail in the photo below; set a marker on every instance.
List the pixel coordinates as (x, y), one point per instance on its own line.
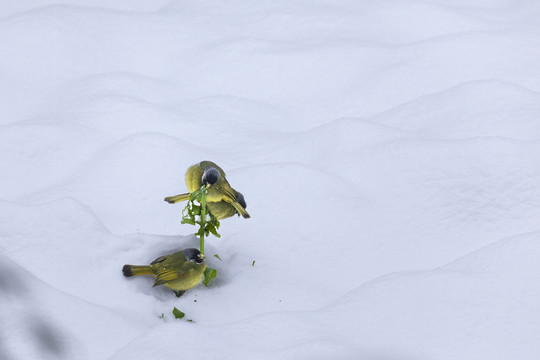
(134, 270)
(240, 209)
(176, 198)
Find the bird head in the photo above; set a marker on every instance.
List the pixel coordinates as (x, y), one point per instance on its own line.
(210, 177)
(194, 255)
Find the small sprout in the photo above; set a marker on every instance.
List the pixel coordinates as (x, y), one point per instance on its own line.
(253, 263)
(177, 313)
(217, 256)
(189, 320)
(162, 316)
(209, 274)
(197, 214)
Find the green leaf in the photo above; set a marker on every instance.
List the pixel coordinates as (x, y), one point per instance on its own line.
(178, 314)
(188, 221)
(209, 274)
(253, 263)
(213, 230)
(217, 256)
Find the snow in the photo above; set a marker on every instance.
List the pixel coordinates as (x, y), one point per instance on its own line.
(388, 153)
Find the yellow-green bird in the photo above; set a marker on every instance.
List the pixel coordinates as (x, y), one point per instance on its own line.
(221, 197)
(180, 271)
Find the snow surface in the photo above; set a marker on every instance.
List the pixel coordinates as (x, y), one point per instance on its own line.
(387, 150)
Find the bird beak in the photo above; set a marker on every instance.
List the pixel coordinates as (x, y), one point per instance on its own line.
(208, 185)
(202, 256)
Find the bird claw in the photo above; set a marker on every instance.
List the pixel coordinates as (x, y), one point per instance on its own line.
(178, 293)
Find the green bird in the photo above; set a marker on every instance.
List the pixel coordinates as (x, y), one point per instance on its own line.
(221, 197)
(180, 271)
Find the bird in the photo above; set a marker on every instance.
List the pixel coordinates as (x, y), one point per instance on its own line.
(179, 271)
(221, 196)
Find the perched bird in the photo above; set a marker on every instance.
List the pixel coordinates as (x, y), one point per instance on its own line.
(221, 196)
(180, 271)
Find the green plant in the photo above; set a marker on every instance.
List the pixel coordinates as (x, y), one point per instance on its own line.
(196, 213)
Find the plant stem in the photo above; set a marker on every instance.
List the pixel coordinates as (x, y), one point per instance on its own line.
(203, 219)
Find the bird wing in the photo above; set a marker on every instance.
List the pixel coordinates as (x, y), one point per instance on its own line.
(159, 260)
(230, 197)
(165, 274)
